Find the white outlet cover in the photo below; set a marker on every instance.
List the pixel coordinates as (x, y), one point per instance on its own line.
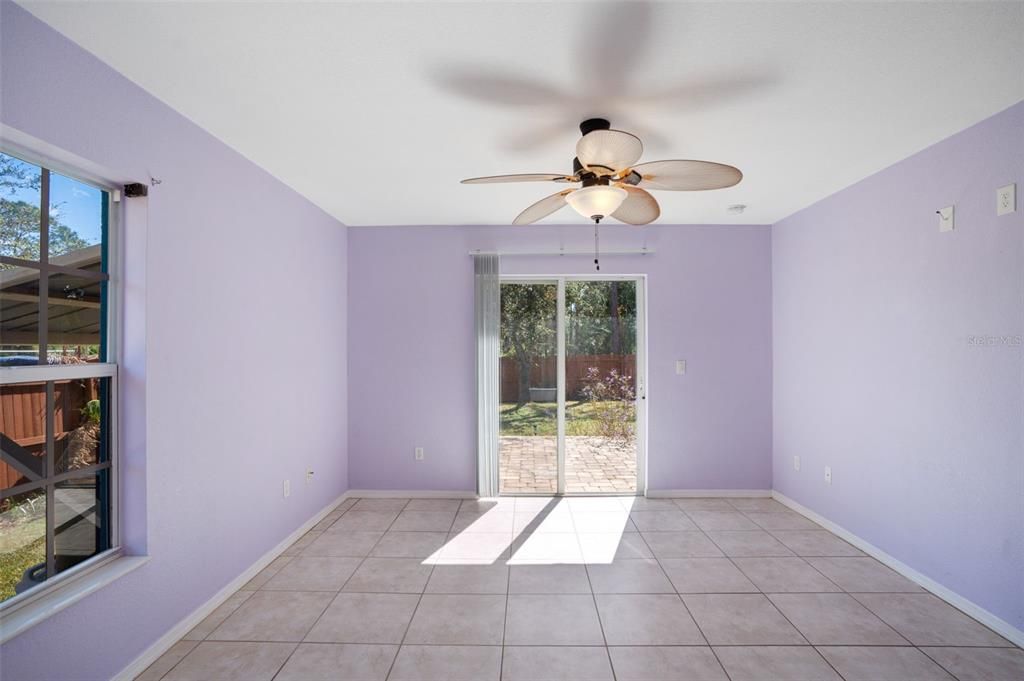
(946, 219)
(419, 454)
(1006, 200)
(680, 366)
(287, 488)
(796, 463)
(828, 474)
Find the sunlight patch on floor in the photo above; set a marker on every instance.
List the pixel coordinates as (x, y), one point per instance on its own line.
(540, 531)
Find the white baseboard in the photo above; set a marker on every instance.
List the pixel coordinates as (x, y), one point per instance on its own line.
(408, 494)
(697, 493)
(164, 643)
(997, 624)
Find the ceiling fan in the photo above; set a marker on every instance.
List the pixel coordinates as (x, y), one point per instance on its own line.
(612, 185)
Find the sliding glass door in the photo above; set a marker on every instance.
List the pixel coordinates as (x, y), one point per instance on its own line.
(571, 375)
(600, 387)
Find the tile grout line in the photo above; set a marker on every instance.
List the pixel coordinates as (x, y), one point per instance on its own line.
(408, 625)
(433, 566)
(941, 666)
(637, 645)
(328, 605)
(508, 593)
(593, 596)
(685, 605)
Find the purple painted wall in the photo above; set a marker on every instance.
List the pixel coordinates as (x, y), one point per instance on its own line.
(876, 374)
(243, 376)
(412, 348)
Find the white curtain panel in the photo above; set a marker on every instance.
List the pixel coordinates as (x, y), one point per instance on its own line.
(488, 348)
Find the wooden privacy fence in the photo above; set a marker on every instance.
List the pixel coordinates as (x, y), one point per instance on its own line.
(23, 418)
(544, 372)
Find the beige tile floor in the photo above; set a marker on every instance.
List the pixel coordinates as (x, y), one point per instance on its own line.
(582, 588)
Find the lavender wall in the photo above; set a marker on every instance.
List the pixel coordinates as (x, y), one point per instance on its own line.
(244, 374)
(412, 348)
(875, 370)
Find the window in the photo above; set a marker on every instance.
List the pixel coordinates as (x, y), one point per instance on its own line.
(57, 377)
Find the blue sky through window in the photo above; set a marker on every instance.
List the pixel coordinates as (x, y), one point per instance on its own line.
(75, 204)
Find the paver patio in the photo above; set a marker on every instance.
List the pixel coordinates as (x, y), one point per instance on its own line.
(529, 464)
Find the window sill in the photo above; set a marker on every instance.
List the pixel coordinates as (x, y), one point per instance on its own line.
(53, 598)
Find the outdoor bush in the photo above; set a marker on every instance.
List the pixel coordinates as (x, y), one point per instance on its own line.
(614, 403)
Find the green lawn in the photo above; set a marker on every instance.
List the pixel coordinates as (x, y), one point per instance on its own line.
(22, 544)
(14, 563)
(540, 418)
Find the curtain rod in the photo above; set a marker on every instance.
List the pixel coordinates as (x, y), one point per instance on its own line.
(639, 251)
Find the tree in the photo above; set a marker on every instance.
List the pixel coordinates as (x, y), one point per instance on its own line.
(19, 232)
(15, 175)
(614, 319)
(601, 317)
(527, 328)
(20, 220)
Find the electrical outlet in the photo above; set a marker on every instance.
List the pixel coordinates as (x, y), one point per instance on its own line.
(828, 475)
(419, 453)
(1006, 199)
(946, 219)
(287, 491)
(309, 476)
(680, 366)
(796, 463)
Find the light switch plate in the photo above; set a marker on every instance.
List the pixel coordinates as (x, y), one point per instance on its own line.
(946, 219)
(1006, 199)
(680, 366)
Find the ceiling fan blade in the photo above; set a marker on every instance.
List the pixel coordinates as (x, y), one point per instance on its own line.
(523, 177)
(687, 176)
(542, 208)
(624, 31)
(498, 88)
(639, 208)
(701, 94)
(611, 149)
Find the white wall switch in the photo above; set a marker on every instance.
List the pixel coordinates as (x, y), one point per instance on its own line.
(309, 475)
(419, 453)
(680, 366)
(287, 491)
(946, 219)
(1006, 199)
(796, 463)
(828, 474)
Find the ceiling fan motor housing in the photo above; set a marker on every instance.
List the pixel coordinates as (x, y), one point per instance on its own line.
(587, 177)
(592, 124)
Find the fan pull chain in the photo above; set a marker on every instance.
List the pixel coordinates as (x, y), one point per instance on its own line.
(597, 247)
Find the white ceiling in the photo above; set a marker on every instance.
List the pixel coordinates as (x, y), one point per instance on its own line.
(374, 111)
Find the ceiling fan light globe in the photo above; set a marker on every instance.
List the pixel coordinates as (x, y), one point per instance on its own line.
(598, 201)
